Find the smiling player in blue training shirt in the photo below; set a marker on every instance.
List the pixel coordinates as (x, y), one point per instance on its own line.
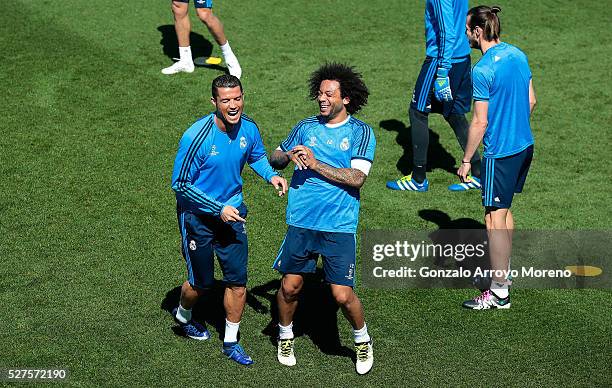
(211, 213)
(333, 153)
(503, 101)
(443, 86)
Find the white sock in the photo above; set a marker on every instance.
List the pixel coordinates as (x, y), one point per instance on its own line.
(500, 289)
(183, 315)
(185, 54)
(285, 332)
(231, 331)
(226, 49)
(361, 335)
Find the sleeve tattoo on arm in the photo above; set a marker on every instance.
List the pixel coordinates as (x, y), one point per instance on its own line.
(346, 176)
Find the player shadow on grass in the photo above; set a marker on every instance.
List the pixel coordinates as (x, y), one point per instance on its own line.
(437, 156)
(200, 46)
(443, 220)
(209, 308)
(462, 231)
(316, 315)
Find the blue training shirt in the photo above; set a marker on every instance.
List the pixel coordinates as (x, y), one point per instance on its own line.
(502, 78)
(208, 164)
(445, 37)
(315, 202)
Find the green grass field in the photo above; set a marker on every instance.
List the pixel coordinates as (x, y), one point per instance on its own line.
(90, 251)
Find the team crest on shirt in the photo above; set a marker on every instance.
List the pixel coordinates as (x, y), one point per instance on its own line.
(313, 141)
(192, 245)
(243, 142)
(345, 144)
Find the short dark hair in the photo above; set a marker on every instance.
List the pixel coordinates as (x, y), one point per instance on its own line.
(351, 84)
(486, 18)
(225, 81)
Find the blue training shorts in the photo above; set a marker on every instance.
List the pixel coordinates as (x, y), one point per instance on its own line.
(460, 77)
(501, 178)
(301, 249)
(199, 3)
(204, 235)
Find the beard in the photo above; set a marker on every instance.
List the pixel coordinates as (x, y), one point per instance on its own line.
(474, 43)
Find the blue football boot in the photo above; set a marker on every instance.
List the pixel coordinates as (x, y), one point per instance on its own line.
(192, 329)
(471, 184)
(408, 184)
(235, 352)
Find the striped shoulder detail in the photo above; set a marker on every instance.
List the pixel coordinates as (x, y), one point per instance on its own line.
(300, 125)
(206, 116)
(356, 122)
(247, 118)
(308, 120)
(250, 120)
(363, 131)
(198, 126)
(196, 143)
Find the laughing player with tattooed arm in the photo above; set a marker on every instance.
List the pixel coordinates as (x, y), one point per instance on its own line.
(332, 153)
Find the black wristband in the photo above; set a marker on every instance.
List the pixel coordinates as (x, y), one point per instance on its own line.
(464, 162)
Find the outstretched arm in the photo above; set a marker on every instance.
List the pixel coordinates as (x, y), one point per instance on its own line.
(345, 176)
(280, 159)
(264, 170)
(259, 163)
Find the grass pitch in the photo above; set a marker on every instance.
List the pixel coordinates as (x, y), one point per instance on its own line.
(89, 247)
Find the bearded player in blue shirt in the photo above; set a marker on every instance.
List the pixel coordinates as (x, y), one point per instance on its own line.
(443, 86)
(503, 101)
(211, 213)
(332, 153)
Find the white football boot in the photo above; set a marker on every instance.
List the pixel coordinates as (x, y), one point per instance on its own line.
(365, 357)
(178, 67)
(285, 355)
